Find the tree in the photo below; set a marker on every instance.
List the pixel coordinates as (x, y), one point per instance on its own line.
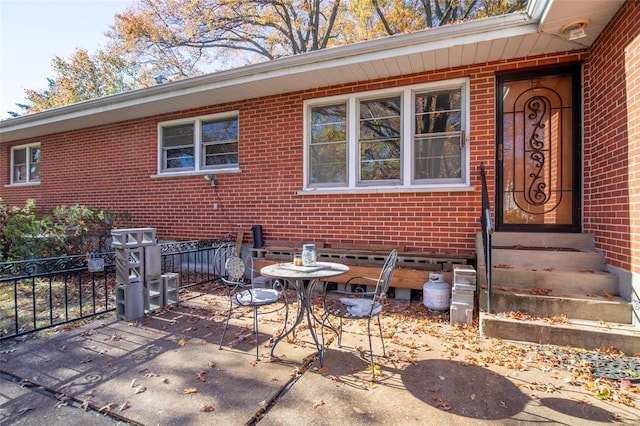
(397, 16)
(174, 36)
(177, 37)
(84, 77)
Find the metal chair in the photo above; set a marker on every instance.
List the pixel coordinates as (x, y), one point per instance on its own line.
(359, 304)
(243, 294)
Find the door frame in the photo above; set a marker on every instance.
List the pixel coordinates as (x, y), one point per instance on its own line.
(575, 70)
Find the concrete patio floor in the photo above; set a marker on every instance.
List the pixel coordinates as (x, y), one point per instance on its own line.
(166, 369)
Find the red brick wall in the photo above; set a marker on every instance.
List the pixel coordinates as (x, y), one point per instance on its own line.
(110, 166)
(612, 145)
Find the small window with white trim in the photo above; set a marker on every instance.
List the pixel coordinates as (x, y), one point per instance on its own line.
(198, 144)
(408, 137)
(25, 164)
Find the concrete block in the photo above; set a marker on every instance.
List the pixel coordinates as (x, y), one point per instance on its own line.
(262, 282)
(170, 284)
(126, 238)
(129, 265)
(152, 262)
(154, 294)
(402, 293)
(464, 274)
(129, 301)
(461, 313)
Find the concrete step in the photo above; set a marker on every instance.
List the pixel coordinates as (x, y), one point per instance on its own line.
(558, 281)
(547, 258)
(590, 335)
(583, 242)
(594, 307)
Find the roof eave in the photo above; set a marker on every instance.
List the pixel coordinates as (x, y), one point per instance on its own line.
(150, 101)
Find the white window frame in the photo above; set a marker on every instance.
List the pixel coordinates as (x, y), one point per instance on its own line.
(197, 169)
(406, 183)
(27, 148)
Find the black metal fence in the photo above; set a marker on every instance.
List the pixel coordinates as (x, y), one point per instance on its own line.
(42, 293)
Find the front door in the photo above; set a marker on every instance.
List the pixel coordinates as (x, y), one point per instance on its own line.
(538, 151)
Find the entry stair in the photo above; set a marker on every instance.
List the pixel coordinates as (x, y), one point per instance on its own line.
(554, 289)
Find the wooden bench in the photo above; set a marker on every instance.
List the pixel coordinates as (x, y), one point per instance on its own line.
(411, 272)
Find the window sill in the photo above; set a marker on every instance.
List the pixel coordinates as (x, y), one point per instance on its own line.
(22, 184)
(382, 190)
(197, 173)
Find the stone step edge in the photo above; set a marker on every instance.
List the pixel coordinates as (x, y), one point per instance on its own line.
(520, 291)
(584, 334)
(623, 329)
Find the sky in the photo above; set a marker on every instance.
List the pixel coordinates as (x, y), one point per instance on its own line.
(32, 32)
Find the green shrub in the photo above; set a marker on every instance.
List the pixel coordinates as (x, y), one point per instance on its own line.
(26, 234)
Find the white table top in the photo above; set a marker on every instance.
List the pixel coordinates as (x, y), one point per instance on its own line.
(291, 272)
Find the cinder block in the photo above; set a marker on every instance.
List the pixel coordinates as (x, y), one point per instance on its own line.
(464, 274)
(129, 265)
(152, 262)
(461, 313)
(170, 284)
(154, 294)
(402, 293)
(125, 238)
(129, 301)
(462, 296)
(262, 282)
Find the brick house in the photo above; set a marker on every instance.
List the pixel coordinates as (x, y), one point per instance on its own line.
(377, 142)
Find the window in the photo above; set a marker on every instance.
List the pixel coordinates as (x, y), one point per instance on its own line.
(25, 164)
(199, 144)
(379, 140)
(438, 137)
(409, 137)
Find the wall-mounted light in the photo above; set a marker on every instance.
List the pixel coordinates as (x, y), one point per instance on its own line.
(575, 29)
(210, 179)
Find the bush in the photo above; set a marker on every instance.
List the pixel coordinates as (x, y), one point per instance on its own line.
(67, 230)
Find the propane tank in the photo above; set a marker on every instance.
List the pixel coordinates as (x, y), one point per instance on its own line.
(436, 293)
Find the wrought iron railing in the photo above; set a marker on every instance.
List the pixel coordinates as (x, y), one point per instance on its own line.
(38, 294)
(487, 231)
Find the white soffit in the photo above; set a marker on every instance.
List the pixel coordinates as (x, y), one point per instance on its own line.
(491, 39)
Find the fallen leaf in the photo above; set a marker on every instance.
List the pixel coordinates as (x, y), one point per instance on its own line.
(182, 342)
(318, 403)
(358, 410)
(206, 408)
(106, 409)
(124, 406)
(140, 389)
(190, 391)
(201, 376)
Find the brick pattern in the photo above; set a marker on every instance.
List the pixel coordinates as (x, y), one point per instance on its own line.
(112, 166)
(611, 140)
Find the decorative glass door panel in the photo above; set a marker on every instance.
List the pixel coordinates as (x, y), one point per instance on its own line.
(538, 153)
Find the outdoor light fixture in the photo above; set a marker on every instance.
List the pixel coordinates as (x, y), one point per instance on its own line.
(575, 29)
(210, 179)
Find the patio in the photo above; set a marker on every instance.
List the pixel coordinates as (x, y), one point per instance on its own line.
(167, 369)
